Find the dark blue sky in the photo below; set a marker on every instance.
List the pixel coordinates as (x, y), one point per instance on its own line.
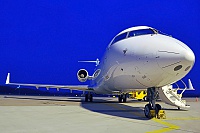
(42, 40)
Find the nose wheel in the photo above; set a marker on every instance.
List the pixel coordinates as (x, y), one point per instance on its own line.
(147, 110)
(152, 109)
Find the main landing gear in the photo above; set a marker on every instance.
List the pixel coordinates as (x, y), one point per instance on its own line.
(122, 98)
(152, 109)
(88, 97)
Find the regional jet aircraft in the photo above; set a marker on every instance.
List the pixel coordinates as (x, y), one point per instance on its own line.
(137, 58)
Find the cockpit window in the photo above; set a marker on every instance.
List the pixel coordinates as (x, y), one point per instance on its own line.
(119, 37)
(141, 32)
(133, 33)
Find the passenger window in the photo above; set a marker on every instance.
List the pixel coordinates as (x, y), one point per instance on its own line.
(119, 37)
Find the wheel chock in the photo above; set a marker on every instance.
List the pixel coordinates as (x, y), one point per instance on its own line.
(161, 114)
(152, 114)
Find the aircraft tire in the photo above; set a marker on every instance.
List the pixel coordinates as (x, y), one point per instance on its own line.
(124, 97)
(158, 107)
(119, 98)
(147, 109)
(86, 97)
(91, 98)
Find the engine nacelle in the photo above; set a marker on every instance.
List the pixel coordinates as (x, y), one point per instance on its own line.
(82, 75)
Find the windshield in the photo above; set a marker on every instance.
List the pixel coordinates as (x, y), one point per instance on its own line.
(132, 34)
(141, 32)
(120, 37)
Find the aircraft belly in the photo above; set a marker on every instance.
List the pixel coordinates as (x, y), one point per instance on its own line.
(133, 72)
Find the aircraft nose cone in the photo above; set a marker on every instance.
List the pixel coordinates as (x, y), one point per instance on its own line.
(188, 59)
(189, 56)
(178, 60)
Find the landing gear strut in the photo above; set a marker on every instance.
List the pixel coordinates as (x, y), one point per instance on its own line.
(122, 98)
(152, 109)
(89, 97)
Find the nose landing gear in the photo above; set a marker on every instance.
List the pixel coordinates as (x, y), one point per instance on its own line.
(88, 97)
(122, 98)
(152, 109)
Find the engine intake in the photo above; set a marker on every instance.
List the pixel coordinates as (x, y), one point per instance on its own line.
(82, 75)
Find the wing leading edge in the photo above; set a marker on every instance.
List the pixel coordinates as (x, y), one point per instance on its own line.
(73, 87)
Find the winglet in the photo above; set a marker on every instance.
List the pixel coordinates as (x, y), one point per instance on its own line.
(8, 79)
(190, 85)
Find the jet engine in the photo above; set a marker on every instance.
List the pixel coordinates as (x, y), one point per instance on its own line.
(82, 75)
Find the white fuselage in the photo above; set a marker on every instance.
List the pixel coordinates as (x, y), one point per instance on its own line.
(142, 61)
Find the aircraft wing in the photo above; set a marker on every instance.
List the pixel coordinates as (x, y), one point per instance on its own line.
(73, 87)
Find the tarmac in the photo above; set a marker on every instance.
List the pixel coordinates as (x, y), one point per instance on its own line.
(42, 114)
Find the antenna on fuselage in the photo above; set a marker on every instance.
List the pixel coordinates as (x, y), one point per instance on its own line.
(97, 62)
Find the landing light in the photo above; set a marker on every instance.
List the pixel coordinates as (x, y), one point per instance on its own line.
(187, 68)
(178, 67)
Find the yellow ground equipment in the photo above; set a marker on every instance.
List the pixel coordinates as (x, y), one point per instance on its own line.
(160, 115)
(152, 114)
(139, 95)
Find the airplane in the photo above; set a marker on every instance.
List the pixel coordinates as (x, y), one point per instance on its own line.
(137, 58)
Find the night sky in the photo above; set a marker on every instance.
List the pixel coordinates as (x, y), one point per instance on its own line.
(41, 41)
